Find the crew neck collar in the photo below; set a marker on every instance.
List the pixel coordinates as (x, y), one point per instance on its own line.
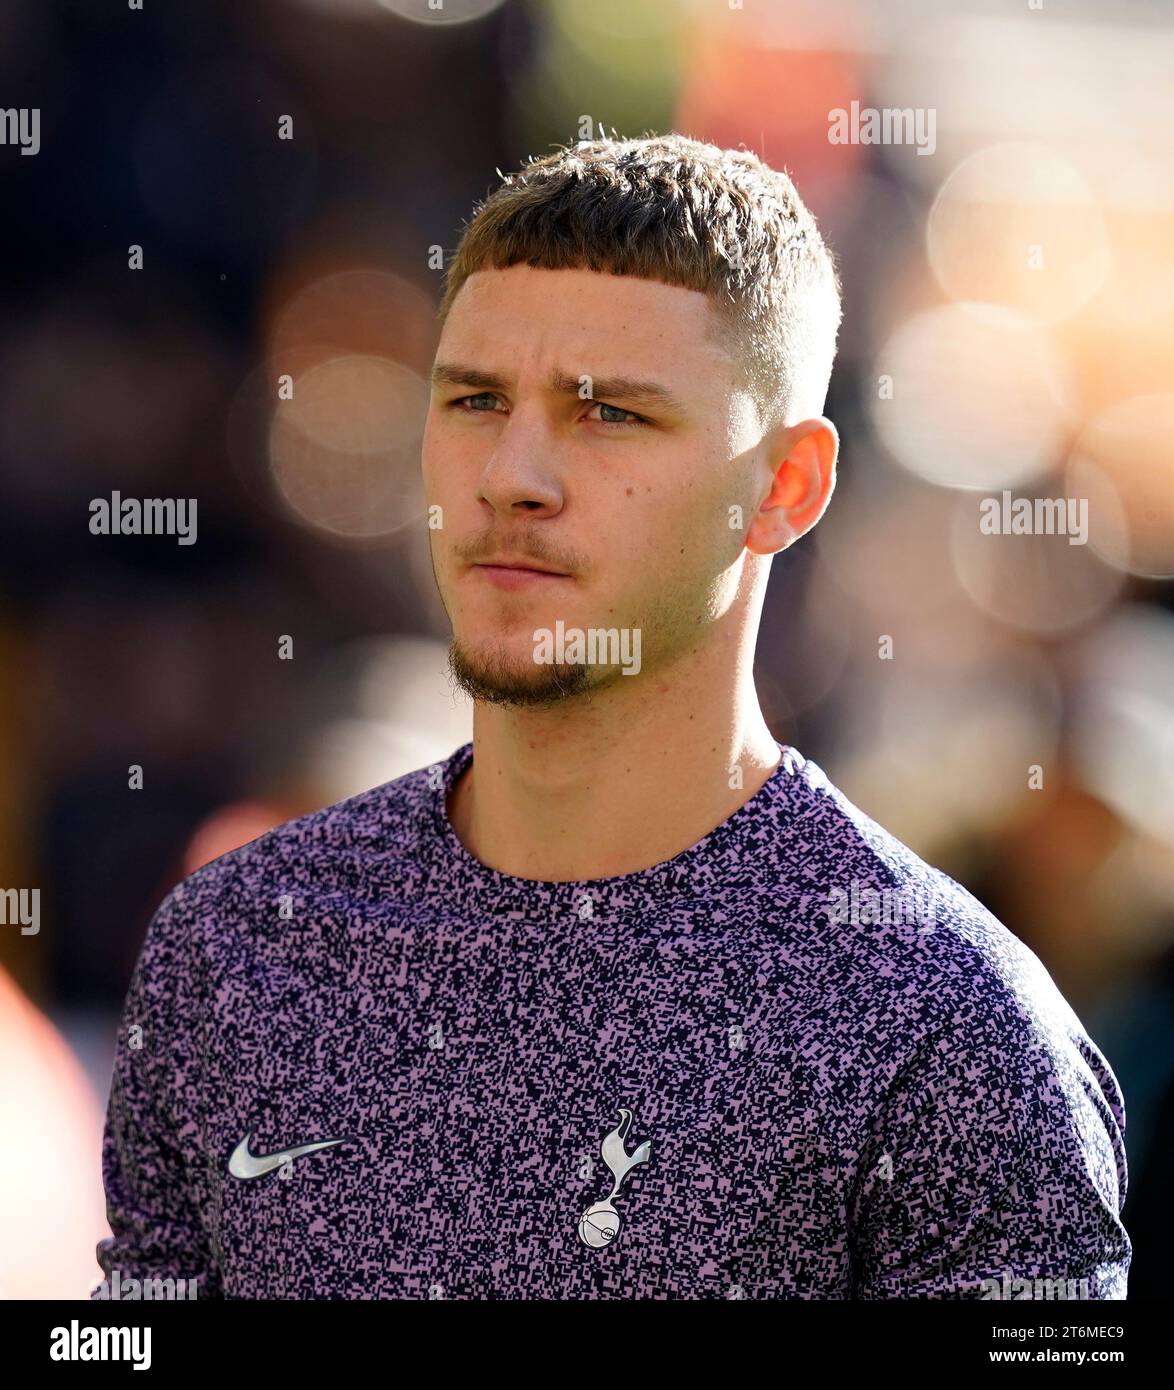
(732, 845)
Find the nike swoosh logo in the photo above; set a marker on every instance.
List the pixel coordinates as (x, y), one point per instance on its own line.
(245, 1165)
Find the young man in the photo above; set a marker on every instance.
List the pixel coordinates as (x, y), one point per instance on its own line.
(624, 998)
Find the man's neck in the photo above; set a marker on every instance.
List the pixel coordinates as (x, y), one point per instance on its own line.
(582, 799)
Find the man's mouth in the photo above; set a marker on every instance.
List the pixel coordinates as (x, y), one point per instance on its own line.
(511, 576)
(521, 562)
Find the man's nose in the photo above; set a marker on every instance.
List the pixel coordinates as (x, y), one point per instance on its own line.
(519, 475)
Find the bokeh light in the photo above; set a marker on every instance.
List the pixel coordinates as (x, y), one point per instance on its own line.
(970, 396)
(1123, 463)
(1123, 728)
(363, 311)
(1042, 584)
(1016, 224)
(440, 12)
(345, 450)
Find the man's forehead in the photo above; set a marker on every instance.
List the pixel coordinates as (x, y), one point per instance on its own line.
(624, 324)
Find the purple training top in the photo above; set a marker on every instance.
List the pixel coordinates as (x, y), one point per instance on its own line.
(852, 1080)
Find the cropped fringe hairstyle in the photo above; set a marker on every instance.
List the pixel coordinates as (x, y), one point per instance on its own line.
(686, 213)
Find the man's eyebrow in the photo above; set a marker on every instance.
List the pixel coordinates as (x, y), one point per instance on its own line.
(457, 374)
(627, 388)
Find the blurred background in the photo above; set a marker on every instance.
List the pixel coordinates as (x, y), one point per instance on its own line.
(1009, 326)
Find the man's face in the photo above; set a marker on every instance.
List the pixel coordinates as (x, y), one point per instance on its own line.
(534, 451)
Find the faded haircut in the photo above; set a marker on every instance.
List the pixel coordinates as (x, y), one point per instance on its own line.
(677, 210)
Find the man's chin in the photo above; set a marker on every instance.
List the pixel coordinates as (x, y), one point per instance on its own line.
(516, 683)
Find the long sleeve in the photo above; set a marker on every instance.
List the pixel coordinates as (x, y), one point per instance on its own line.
(149, 1155)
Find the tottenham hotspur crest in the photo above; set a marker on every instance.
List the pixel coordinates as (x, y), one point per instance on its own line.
(599, 1224)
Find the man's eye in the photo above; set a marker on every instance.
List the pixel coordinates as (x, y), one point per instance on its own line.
(616, 415)
(632, 417)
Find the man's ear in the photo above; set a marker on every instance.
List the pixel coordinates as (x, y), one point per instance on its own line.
(804, 464)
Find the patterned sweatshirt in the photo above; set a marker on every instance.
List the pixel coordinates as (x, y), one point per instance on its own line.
(793, 1061)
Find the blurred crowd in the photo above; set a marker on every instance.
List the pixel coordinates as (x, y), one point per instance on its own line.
(1008, 328)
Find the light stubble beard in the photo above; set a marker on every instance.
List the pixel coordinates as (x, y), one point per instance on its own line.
(496, 681)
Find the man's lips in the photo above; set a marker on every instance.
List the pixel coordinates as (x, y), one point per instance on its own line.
(516, 576)
(507, 562)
